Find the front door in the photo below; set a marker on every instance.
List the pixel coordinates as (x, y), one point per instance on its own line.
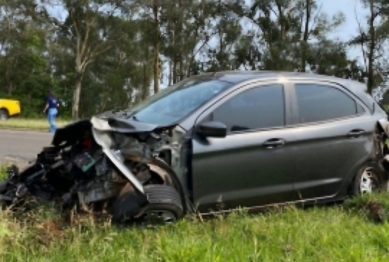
(252, 166)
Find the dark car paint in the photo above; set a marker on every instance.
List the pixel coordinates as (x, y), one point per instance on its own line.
(326, 145)
(316, 162)
(239, 171)
(70, 133)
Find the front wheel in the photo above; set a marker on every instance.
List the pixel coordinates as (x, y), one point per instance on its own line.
(368, 180)
(165, 206)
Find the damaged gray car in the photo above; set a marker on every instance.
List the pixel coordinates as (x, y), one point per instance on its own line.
(214, 143)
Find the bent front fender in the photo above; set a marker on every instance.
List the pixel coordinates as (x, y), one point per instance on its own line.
(125, 171)
(100, 131)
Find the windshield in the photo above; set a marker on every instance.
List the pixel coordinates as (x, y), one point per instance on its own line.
(177, 101)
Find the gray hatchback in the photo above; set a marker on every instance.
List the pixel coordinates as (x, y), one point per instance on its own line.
(262, 138)
(217, 142)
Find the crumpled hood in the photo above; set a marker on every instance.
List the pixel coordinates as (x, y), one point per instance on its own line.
(112, 114)
(120, 124)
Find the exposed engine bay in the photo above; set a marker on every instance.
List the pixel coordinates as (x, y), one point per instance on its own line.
(381, 141)
(121, 166)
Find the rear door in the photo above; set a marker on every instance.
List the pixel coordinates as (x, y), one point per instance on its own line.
(333, 136)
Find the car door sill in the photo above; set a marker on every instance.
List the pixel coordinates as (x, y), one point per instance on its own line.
(266, 206)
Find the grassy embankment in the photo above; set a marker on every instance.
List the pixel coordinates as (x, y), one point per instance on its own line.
(30, 124)
(340, 233)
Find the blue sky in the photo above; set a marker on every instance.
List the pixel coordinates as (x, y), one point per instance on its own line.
(349, 28)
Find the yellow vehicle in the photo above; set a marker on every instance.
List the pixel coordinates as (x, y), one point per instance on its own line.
(9, 108)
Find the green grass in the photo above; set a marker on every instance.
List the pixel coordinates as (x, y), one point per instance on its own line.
(30, 124)
(339, 233)
(3, 169)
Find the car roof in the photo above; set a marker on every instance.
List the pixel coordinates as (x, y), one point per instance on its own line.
(237, 77)
(243, 76)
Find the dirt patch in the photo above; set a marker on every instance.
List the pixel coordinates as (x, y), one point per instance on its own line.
(48, 232)
(50, 228)
(376, 211)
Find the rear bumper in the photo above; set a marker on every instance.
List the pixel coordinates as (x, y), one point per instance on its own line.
(14, 115)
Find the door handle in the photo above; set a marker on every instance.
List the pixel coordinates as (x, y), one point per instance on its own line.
(272, 143)
(356, 133)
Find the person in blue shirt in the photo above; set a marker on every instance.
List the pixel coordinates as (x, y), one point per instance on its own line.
(52, 104)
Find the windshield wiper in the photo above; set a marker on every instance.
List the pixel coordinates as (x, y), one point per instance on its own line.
(134, 117)
(118, 110)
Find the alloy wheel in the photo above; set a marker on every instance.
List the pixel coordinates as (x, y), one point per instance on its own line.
(369, 182)
(158, 217)
(3, 117)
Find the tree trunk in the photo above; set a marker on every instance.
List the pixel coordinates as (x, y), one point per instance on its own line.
(174, 69)
(10, 88)
(370, 81)
(156, 67)
(306, 33)
(180, 22)
(221, 60)
(156, 47)
(76, 98)
(170, 72)
(145, 87)
(282, 19)
(181, 67)
(8, 78)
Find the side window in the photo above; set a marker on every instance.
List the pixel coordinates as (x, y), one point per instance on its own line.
(259, 107)
(320, 102)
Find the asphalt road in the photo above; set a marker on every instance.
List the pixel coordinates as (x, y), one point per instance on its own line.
(22, 146)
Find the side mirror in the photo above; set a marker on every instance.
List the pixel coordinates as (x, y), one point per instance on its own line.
(212, 129)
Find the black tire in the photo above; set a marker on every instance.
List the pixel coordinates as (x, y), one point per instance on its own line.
(369, 179)
(127, 205)
(4, 115)
(176, 182)
(3, 185)
(165, 204)
(163, 200)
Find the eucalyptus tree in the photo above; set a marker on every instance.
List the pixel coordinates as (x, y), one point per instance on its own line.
(373, 40)
(85, 35)
(289, 31)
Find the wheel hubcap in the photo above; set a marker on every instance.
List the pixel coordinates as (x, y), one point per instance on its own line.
(368, 182)
(160, 217)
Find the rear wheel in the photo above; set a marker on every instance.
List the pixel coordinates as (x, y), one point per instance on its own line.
(3, 115)
(369, 180)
